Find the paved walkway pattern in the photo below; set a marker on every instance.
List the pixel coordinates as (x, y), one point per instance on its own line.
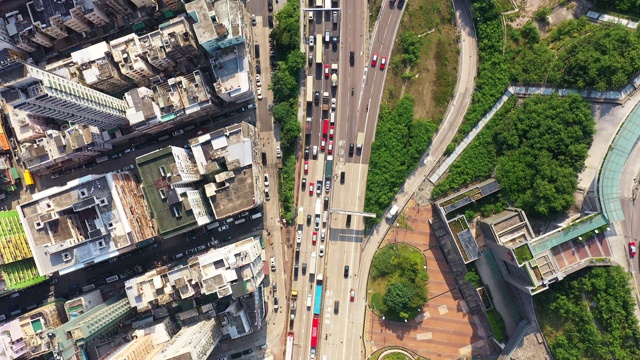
(444, 329)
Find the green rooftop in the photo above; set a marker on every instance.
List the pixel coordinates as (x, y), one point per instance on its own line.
(158, 193)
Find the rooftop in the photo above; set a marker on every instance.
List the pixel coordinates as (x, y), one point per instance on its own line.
(43, 10)
(235, 269)
(88, 219)
(168, 206)
(204, 15)
(225, 157)
(156, 286)
(231, 71)
(184, 94)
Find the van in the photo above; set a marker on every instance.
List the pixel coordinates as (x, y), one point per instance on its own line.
(309, 298)
(213, 225)
(348, 221)
(335, 17)
(256, 216)
(333, 118)
(325, 218)
(393, 212)
(327, 36)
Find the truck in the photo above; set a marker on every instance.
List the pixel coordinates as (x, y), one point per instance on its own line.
(289, 351)
(360, 142)
(308, 126)
(313, 263)
(317, 307)
(325, 101)
(334, 79)
(309, 88)
(314, 336)
(318, 207)
(325, 127)
(328, 172)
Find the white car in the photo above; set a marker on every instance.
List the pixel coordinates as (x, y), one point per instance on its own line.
(258, 82)
(311, 40)
(333, 104)
(266, 180)
(223, 228)
(299, 237)
(323, 234)
(178, 132)
(310, 15)
(278, 152)
(259, 93)
(321, 253)
(253, 20)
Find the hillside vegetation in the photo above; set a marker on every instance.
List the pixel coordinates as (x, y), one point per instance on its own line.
(536, 150)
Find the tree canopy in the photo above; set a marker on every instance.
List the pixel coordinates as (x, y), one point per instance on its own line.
(590, 315)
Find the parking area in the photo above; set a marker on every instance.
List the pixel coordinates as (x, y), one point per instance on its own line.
(444, 329)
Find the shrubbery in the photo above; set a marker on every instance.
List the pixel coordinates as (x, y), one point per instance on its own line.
(400, 143)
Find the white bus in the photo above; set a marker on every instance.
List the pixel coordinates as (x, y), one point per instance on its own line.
(319, 49)
(310, 88)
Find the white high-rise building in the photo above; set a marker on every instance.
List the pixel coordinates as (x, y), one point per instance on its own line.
(33, 90)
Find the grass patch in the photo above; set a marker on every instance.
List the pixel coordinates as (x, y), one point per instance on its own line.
(523, 254)
(505, 5)
(398, 282)
(377, 353)
(403, 223)
(497, 325)
(432, 79)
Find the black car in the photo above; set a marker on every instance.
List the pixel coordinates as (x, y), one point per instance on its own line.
(297, 253)
(264, 159)
(326, 202)
(310, 60)
(270, 5)
(336, 306)
(257, 51)
(348, 221)
(304, 268)
(352, 59)
(247, 352)
(308, 220)
(400, 4)
(258, 69)
(304, 183)
(306, 153)
(334, 43)
(342, 176)
(236, 355)
(317, 97)
(295, 272)
(351, 149)
(271, 21)
(346, 271)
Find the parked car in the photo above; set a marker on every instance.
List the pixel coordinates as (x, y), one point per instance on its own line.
(223, 228)
(266, 180)
(178, 132)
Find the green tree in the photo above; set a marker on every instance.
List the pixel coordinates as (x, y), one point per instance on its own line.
(530, 33)
(283, 112)
(473, 278)
(398, 296)
(284, 85)
(290, 133)
(382, 263)
(410, 45)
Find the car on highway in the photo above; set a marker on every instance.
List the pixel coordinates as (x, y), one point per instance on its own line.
(178, 132)
(304, 269)
(311, 40)
(223, 228)
(259, 93)
(314, 237)
(330, 148)
(275, 303)
(306, 167)
(632, 248)
(308, 220)
(267, 195)
(253, 20)
(310, 15)
(321, 253)
(374, 60)
(266, 180)
(323, 235)
(306, 153)
(319, 188)
(351, 148)
(311, 189)
(352, 295)
(326, 70)
(212, 243)
(315, 151)
(346, 271)
(332, 130)
(304, 183)
(323, 143)
(383, 63)
(333, 103)
(351, 58)
(258, 84)
(316, 97)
